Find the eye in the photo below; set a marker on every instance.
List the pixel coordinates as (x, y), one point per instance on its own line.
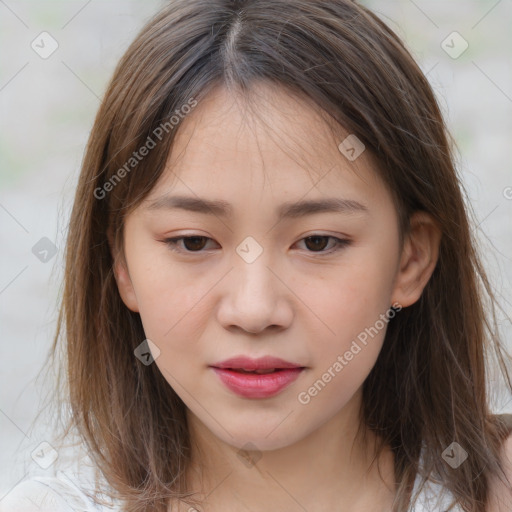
(192, 243)
(195, 244)
(318, 242)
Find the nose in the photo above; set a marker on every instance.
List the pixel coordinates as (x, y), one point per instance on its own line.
(254, 298)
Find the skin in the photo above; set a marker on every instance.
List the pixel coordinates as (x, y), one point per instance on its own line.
(500, 492)
(298, 301)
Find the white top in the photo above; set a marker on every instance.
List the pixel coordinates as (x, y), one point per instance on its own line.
(64, 494)
(51, 494)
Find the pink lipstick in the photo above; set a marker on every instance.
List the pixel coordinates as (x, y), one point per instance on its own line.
(257, 378)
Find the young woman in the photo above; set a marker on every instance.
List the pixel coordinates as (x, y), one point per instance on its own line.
(273, 298)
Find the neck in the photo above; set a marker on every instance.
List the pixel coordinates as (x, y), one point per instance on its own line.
(333, 460)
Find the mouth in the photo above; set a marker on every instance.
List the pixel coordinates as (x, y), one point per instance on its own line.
(259, 372)
(257, 378)
(261, 364)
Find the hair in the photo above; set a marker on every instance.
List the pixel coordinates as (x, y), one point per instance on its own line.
(429, 384)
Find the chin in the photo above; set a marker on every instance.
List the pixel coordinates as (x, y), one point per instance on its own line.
(261, 436)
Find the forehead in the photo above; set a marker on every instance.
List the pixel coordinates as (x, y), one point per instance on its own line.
(270, 143)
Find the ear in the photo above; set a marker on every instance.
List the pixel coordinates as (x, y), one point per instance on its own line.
(122, 276)
(418, 260)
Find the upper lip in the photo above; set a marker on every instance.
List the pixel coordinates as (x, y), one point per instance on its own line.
(261, 363)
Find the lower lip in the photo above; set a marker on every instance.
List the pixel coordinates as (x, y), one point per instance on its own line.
(254, 385)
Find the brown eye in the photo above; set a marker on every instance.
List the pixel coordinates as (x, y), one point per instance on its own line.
(314, 244)
(194, 243)
(191, 243)
(318, 243)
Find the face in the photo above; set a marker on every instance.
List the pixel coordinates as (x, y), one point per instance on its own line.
(254, 277)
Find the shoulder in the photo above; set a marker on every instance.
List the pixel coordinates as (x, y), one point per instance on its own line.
(47, 494)
(33, 495)
(500, 497)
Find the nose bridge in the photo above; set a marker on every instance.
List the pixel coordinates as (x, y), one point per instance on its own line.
(252, 278)
(254, 297)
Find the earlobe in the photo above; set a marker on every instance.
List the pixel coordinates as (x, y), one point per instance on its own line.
(123, 280)
(418, 260)
(125, 286)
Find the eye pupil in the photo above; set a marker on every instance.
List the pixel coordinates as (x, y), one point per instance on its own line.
(316, 238)
(186, 242)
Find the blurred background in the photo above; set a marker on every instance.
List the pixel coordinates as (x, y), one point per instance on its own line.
(56, 59)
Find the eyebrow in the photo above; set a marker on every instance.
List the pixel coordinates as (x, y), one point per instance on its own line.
(292, 210)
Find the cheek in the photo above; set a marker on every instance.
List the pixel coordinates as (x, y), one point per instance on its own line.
(356, 310)
(351, 298)
(172, 300)
(173, 315)
(169, 305)
(175, 305)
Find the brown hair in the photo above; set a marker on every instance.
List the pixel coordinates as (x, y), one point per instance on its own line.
(429, 384)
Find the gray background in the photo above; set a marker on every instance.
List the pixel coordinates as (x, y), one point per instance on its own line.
(47, 107)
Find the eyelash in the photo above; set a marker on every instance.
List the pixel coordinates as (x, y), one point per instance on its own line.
(340, 243)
